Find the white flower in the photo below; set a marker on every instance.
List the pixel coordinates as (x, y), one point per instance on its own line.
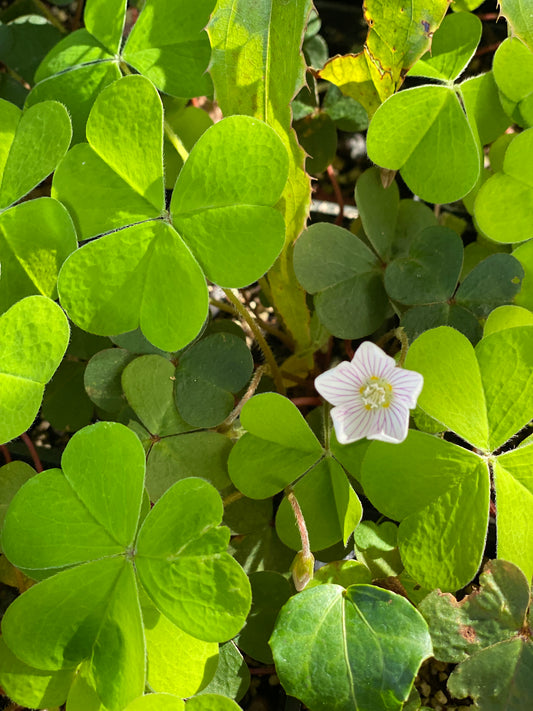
(372, 396)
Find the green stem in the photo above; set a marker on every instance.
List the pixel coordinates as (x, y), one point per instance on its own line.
(262, 324)
(263, 345)
(230, 419)
(230, 498)
(176, 142)
(402, 337)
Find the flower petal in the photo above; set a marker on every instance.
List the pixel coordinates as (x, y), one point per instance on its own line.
(351, 423)
(395, 425)
(340, 385)
(406, 386)
(370, 360)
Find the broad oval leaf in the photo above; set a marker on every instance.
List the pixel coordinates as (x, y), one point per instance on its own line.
(323, 634)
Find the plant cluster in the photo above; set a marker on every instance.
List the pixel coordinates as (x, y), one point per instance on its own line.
(169, 314)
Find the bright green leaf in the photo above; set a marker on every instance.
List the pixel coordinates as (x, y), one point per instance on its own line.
(218, 203)
(182, 562)
(157, 702)
(440, 493)
(447, 361)
(507, 317)
(169, 46)
(518, 15)
(104, 19)
(35, 143)
(513, 72)
(35, 239)
(452, 48)
(37, 328)
(514, 183)
(422, 127)
(278, 448)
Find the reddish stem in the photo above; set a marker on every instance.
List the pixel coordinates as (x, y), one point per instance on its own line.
(304, 401)
(262, 671)
(338, 194)
(492, 509)
(488, 49)
(349, 348)
(31, 448)
(6, 453)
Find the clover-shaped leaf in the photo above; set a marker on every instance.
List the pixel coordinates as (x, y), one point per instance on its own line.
(440, 493)
(323, 633)
(350, 299)
(90, 513)
(419, 128)
(413, 483)
(33, 143)
(34, 335)
(515, 182)
(147, 274)
(513, 70)
(278, 449)
(168, 44)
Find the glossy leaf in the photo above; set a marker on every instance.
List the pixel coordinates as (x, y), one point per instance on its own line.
(513, 70)
(428, 483)
(345, 277)
(34, 143)
(418, 319)
(29, 265)
(24, 42)
(322, 634)
(278, 448)
(37, 328)
(484, 108)
(182, 563)
(422, 127)
(105, 21)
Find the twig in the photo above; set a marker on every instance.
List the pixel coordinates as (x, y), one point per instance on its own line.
(262, 324)
(304, 401)
(76, 20)
(252, 323)
(230, 419)
(31, 448)
(338, 194)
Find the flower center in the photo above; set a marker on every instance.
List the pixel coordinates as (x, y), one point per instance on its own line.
(375, 393)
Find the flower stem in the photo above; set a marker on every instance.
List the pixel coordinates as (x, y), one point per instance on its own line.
(402, 337)
(230, 419)
(254, 327)
(176, 142)
(300, 521)
(230, 498)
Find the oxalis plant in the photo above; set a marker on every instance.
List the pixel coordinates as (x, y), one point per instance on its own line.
(263, 442)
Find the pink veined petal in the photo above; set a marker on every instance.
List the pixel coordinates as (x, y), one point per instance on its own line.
(351, 423)
(396, 425)
(406, 386)
(370, 360)
(340, 385)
